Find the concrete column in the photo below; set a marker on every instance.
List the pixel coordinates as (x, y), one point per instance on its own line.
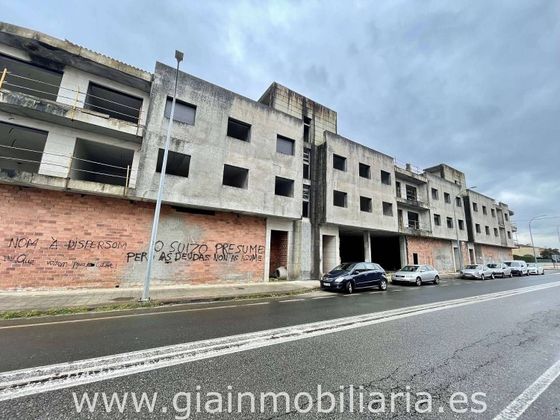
(367, 247)
(57, 156)
(403, 250)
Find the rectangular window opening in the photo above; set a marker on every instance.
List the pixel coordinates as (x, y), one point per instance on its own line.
(339, 198)
(284, 187)
(21, 148)
(435, 194)
(306, 163)
(238, 129)
(100, 162)
(178, 164)
(235, 177)
(184, 112)
(450, 223)
(461, 224)
(385, 178)
(113, 103)
(447, 197)
(458, 201)
(477, 227)
(285, 145)
(365, 204)
(387, 209)
(365, 171)
(339, 162)
(437, 219)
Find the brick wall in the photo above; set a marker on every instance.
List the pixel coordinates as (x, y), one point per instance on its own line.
(495, 254)
(435, 252)
(55, 239)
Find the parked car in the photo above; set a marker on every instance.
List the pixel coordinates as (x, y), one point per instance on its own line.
(477, 271)
(349, 277)
(500, 270)
(518, 268)
(417, 274)
(533, 268)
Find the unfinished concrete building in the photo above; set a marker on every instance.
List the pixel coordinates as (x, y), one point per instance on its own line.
(252, 187)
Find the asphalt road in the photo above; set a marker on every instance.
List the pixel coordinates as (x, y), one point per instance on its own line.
(495, 347)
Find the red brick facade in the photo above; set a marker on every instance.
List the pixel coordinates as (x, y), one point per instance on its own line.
(55, 239)
(435, 252)
(495, 253)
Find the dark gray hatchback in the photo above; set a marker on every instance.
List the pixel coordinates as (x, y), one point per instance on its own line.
(349, 277)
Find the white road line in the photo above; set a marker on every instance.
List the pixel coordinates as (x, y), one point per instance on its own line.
(518, 406)
(349, 295)
(257, 303)
(374, 292)
(322, 297)
(291, 300)
(24, 382)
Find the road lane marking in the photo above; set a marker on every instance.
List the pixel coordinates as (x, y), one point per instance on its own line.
(322, 297)
(256, 303)
(36, 380)
(291, 300)
(518, 406)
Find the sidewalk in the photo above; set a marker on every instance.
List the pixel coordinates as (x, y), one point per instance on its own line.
(55, 299)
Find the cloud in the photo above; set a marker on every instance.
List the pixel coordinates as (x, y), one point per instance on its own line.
(473, 84)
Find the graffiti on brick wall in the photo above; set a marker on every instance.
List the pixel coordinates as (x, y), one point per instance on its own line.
(23, 251)
(177, 251)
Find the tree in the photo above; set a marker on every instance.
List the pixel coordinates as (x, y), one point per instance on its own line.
(549, 252)
(527, 258)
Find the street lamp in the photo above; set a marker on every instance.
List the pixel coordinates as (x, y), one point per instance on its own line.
(151, 250)
(459, 195)
(542, 216)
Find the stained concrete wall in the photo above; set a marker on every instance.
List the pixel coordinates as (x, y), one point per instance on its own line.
(210, 148)
(354, 186)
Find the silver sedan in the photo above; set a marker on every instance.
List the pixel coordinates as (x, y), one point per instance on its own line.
(417, 274)
(500, 270)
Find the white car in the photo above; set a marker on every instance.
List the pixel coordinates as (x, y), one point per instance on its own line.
(500, 270)
(518, 267)
(477, 271)
(533, 268)
(417, 274)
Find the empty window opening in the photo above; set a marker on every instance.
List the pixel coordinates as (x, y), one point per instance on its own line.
(113, 103)
(477, 227)
(447, 197)
(487, 230)
(284, 187)
(306, 194)
(385, 178)
(99, 162)
(461, 224)
(484, 211)
(387, 209)
(458, 201)
(496, 232)
(493, 212)
(306, 163)
(398, 188)
(415, 258)
(365, 171)
(184, 112)
(437, 219)
(339, 198)
(411, 193)
(285, 145)
(475, 206)
(177, 163)
(509, 234)
(413, 220)
(306, 128)
(450, 223)
(21, 148)
(30, 79)
(365, 204)
(339, 162)
(435, 194)
(235, 177)
(506, 217)
(238, 130)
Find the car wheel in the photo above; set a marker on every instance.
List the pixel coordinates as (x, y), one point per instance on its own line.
(482, 277)
(383, 284)
(492, 276)
(418, 281)
(510, 275)
(436, 280)
(542, 274)
(349, 288)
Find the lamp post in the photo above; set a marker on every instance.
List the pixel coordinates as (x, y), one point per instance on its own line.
(542, 216)
(459, 195)
(151, 250)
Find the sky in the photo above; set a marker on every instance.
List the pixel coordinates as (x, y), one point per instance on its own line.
(472, 83)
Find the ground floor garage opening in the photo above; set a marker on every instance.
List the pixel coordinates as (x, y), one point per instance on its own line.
(385, 251)
(351, 246)
(278, 250)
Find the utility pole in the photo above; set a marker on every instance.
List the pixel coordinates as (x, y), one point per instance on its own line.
(153, 237)
(531, 234)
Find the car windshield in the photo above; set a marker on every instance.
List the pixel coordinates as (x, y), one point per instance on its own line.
(471, 267)
(410, 268)
(344, 267)
(493, 265)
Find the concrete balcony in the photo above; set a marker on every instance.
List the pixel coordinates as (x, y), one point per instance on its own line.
(415, 228)
(412, 203)
(62, 114)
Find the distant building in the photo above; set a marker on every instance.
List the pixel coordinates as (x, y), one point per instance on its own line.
(251, 185)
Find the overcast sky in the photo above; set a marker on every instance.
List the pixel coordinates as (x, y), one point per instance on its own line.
(475, 84)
